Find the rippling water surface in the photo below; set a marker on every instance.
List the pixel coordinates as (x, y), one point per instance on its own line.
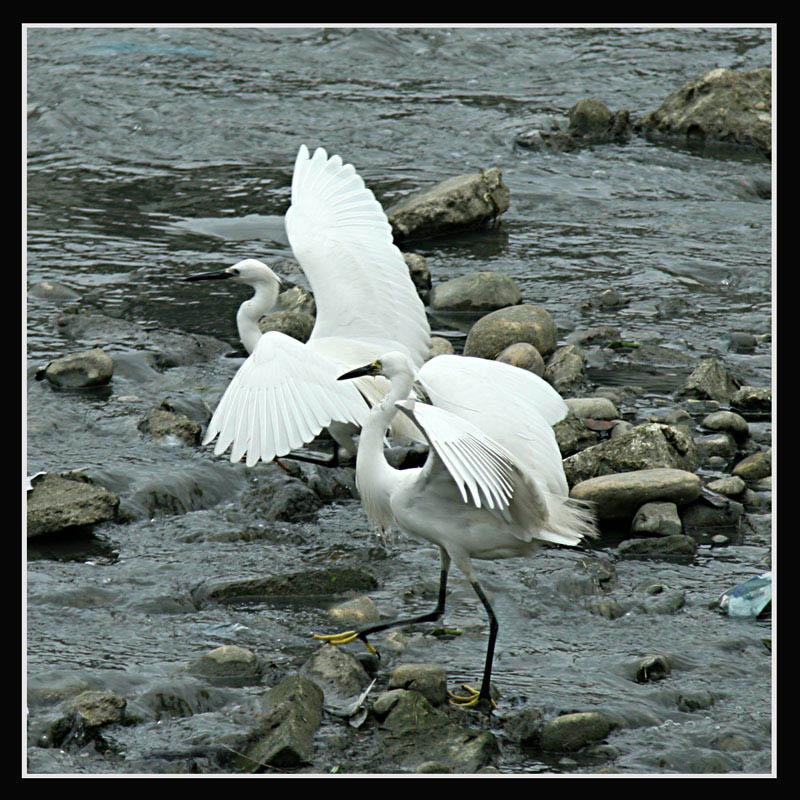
(153, 153)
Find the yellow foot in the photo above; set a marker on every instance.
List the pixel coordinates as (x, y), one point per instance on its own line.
(344, 638)
(470, 701)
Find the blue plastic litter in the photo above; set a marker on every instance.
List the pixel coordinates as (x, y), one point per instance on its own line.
(750, 598)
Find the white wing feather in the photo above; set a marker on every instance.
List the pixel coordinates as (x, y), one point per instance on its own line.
(343, 241)
(514, 407)
(281, 398)
(475, 462)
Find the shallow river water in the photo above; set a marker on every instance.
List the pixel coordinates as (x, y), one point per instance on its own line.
(155, 153)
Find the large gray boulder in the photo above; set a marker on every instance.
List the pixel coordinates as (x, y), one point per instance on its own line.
(722, 106)
(456, 204)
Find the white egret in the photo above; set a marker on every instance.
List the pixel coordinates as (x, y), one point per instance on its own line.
(492, 486)
(286, 392)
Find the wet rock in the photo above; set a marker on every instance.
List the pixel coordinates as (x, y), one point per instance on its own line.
(229, 665)
(644, 447)
(703, 519)
(741, 342)
(718, 445)
(524, 726)
(297, 299)
(754, 467)
(605, 300)
(571, 732)
(56, 504)
(163, 424)
(592, 408)
(659, 518)
(695, 701)
(80, 719)
(730, 486)
(420, 275)
(709, 381)
(54, 292)
(598, 335)
(440, 347)
(79, 370)
(328, 581)
(177, 697)
(524, 356)
(166, 348)
(728, 422)
(753, 398)
(721, 106)
(336, 672)
(732, 742)
(355, 613)
(565, 369)
(284, 498)
(460, 203)
(653, 668)
(594, 122)
(476, 291)
(291, 713)
(659, 547)
(590, 122)
(621, 494)
(428, 679)
(433, 768)
(491, 334)
(573, 436)
(656, 598)
(297, 324)
(414, 732)
(620, 429)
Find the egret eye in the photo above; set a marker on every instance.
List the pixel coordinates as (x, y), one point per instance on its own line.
(234, 272)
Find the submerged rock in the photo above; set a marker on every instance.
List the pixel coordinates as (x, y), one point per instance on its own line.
(162, 424)
(229, 665)
(722, 106)
(56, 504)
(494, 332)
(461, 203)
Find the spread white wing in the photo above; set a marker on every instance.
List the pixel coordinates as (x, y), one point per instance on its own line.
(477, 464)
(514, 407)
(343, 241)
(280, 398)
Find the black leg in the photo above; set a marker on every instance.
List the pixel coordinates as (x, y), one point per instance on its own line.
(368, 630)
(482, 699)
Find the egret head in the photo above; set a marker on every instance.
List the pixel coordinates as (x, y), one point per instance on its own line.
(390, 365)
(250, 271)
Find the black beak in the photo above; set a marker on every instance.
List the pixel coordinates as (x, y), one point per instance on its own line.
(358, 372)
(217, 275)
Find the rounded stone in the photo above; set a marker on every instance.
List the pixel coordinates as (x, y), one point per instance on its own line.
(297, 324)
(476, 291)
(524, 356)
(491, 334)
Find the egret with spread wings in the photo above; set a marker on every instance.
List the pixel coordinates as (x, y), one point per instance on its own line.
(286, 392)
(493, 485)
